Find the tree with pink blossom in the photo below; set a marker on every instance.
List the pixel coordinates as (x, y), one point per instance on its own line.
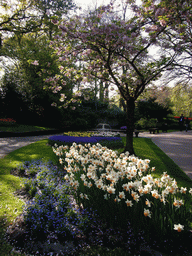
(113, 49)
(175, 16)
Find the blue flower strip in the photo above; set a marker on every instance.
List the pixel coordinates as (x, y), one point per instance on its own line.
(71, 139)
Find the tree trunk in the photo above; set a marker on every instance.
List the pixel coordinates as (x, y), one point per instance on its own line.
(106, 91)
(101, 92)
(130, 125)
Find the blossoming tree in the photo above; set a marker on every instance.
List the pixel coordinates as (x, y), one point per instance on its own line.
(115, 50)
(175, 15)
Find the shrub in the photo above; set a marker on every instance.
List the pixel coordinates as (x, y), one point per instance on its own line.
(7, 122)
(79, 124)
(144, 123)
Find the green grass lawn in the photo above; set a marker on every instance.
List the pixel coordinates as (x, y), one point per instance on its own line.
(11, 206)
(22, 128)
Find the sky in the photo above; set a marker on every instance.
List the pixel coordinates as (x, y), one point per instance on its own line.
(90, 3)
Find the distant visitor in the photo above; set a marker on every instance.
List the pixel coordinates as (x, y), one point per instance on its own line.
(181, 122)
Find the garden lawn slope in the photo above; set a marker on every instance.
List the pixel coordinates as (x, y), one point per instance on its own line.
(9, 128)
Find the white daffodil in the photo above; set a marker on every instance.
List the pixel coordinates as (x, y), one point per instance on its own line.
(178, 227)
(147, 213)
(183, 190)
(129, 203)
(111, 190)
(147, 202)
(122, 195)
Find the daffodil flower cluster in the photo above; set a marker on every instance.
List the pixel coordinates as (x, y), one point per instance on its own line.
(101, 177)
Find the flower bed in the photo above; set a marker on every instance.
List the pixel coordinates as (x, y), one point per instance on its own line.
(92, 134)
(111, 142)
(120, 205)
(53, 224)
(79, 134)
(7, 121)
(49, 214)
(122, 189)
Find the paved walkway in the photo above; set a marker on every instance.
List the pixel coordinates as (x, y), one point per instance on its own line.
(10, 144)
(177, 145)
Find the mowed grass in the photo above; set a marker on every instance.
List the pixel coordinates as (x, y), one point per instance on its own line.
(11, 206)
(21, 128)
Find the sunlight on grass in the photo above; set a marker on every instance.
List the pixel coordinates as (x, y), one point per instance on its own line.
(10, 205)
(10, 183)
(37, 150)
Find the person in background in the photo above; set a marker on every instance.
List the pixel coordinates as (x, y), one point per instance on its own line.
(181, 122)
(187, 124)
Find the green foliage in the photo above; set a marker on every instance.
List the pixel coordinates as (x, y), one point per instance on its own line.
(150, 108)
(112, 144)
(79, 124)
(145, 123)
(91, 112)
(32, 16)
(24, 84)
(181, 98)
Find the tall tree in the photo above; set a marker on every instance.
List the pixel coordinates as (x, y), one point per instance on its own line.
(175, 15)
(24, 16)
(26, 30)
(29, 74)
(115, 51)
(181, 99)
(21, 17)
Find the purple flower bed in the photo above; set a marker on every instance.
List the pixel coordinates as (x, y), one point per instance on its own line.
(107, 138)
(110, 142)
(71, 139)
(123, 127)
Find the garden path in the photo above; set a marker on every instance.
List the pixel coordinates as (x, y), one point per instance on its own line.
(177, 145)
(10, 144)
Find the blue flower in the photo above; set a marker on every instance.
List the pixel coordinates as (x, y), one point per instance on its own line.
(50, 208)
(71, 139)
